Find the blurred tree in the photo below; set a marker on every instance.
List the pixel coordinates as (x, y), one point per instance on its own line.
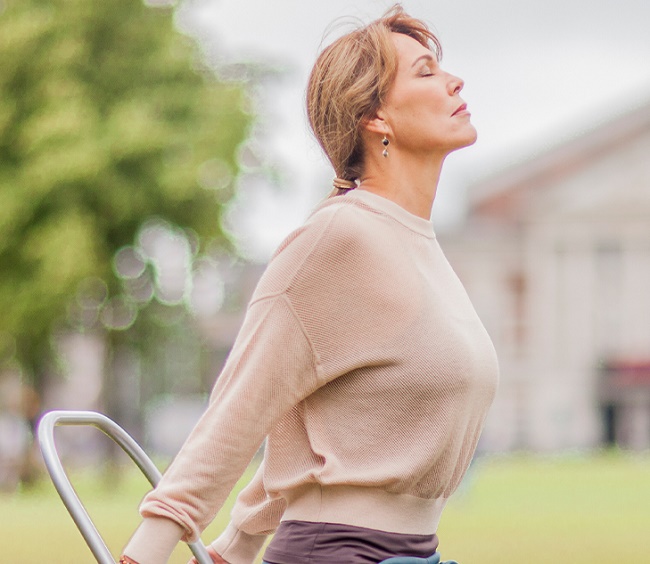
(107, 117)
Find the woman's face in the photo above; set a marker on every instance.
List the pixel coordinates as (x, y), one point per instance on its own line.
(423, 108)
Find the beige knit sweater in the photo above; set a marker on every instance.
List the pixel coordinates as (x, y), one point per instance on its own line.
(363, 363)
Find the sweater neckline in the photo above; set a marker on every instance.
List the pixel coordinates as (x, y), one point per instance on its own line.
(388, 207)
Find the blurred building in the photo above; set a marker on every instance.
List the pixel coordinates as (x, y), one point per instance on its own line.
(555, 254)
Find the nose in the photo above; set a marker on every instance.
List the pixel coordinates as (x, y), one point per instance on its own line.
(455, 85)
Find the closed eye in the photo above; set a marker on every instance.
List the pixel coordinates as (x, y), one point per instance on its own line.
(426, 70)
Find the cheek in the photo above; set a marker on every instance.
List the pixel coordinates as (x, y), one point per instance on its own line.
(418, 111)
(420, 116)
(425, 119)
(428, 109)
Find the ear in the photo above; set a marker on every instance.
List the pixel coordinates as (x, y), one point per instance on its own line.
(377, 124)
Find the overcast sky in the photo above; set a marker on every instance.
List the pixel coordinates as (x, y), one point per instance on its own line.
(537, 72)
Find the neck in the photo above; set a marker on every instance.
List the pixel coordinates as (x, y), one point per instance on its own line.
(407, 180)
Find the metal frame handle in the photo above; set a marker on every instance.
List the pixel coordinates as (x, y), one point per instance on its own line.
(64, 487)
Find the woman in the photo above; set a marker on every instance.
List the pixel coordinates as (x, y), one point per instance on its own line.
(360, 360)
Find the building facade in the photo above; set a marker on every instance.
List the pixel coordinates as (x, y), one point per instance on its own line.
(555, 254)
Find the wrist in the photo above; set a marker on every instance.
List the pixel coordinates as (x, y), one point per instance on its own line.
(215, 556)
(154, 541)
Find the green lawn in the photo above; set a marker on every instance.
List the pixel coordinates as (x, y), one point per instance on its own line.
(510, 510)
(530, 510)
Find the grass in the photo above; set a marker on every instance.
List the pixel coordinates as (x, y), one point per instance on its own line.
(520, 509)
(36, 527)
(529, 510)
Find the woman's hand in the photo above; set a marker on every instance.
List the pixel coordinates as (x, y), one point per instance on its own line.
(213, 554)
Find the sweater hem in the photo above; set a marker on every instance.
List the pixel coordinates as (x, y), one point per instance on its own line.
(368, 507)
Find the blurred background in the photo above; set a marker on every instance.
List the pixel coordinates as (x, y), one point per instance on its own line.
(153, 155)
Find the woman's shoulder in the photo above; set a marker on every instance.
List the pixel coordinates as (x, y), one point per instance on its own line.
(336, 221)
(328, 241)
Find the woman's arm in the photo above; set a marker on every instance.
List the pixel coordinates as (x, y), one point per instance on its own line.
(254, 516)
(167, 533)
(270, 369)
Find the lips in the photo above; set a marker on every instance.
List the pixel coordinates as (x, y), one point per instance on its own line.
(461, 108)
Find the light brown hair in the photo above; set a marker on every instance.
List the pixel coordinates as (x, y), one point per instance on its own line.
(349, 83)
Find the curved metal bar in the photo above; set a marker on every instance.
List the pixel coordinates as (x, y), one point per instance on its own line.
(64, 487)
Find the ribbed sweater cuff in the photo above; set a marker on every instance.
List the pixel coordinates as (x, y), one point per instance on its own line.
(154, 541)
(238, 547)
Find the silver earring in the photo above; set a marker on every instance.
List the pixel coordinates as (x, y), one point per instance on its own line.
(385, 142)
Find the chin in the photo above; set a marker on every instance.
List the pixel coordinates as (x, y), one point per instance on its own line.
(468, 139)
(472, 140)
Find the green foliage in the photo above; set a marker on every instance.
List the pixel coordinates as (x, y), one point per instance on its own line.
(104, 122)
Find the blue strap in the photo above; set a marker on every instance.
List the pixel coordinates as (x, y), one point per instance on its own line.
(433, 559)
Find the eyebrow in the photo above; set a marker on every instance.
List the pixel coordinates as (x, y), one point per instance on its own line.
(420, 58)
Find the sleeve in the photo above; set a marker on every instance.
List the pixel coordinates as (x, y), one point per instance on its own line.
(254, 516)
(271, 368)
